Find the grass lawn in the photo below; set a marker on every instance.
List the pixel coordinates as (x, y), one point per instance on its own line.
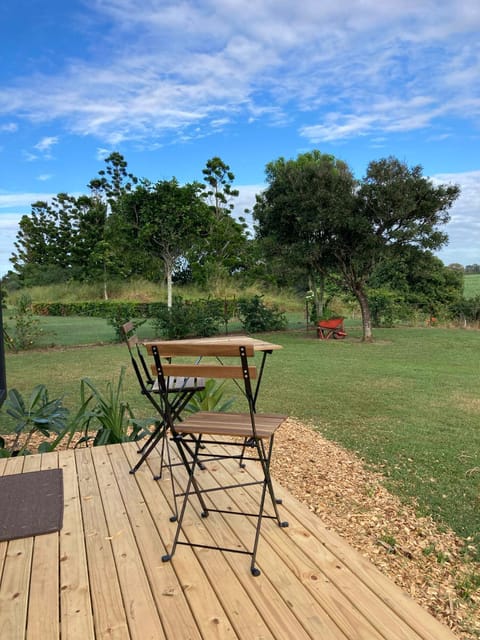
(471, 285)
(409, 403)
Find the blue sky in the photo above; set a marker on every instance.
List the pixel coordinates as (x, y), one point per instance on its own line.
(171, 84)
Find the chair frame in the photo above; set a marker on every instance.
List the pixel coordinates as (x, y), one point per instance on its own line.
(254, 431)
(183, 388)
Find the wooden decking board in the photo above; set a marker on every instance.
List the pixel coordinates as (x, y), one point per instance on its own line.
(299, 582)
(330, 583)
(16, 573)
(109, 612)
(235, 600)
(76, 613)
(43, 619)
(142, 615)
(170, 600)
(187, 578)
(113, 583)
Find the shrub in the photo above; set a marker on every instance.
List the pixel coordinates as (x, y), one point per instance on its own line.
(255, 316)
(189, 318)
(26, 327)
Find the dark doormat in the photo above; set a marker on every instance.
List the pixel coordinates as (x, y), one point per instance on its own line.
(31, 503)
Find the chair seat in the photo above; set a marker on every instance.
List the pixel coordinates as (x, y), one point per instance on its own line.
(183, 384)
(231, 424)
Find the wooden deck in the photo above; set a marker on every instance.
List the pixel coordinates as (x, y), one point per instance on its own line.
(102, 575)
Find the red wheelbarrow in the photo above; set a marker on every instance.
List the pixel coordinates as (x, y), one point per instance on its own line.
(332, 328)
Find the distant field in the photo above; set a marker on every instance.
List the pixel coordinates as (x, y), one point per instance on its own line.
(472, 285)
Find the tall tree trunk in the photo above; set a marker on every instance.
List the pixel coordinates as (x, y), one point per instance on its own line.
(318, 292)
(168, 273)
(366, 316)
(105, 289)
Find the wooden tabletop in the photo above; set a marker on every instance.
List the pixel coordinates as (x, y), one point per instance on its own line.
(258, 345)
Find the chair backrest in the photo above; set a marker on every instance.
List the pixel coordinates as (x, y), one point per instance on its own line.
(214, 368)
(138, 360)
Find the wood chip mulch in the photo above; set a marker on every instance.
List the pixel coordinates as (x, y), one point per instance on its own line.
(425, 561)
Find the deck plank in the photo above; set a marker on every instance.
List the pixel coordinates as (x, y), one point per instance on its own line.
(16, 570)
(169, 597)
(109, 612)
(75, 603)
(206, 609)
(43, 606)
(142, 615)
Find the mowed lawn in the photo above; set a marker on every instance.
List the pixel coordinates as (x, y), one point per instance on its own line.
(408, 404)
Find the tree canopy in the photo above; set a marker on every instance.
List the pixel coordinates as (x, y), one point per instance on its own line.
(315, 213)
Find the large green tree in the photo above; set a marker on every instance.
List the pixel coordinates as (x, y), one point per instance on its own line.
(159, 223)
(223, 250)
(295, 217)
(322, 218)
(56, 240)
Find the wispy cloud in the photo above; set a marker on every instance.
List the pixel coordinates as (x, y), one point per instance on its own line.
(9, 127)
(45, 144)
(185, 67)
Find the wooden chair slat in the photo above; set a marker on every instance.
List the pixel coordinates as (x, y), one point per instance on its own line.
(205, 370)
(169, 349)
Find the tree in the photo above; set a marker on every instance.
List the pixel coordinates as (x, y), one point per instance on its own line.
(223, 250)
(421, 280)
(55, 242)
(396, 208)
(306, 199)
(113, 181)
(161, 221)
(321, 218)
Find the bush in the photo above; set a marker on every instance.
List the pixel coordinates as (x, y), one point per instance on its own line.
(255, 316)
(189, 318)
(26, 327)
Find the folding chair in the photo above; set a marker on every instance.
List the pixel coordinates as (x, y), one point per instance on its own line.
(235, 431)
(181, 388)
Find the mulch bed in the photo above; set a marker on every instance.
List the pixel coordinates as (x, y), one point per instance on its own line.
(423, 559)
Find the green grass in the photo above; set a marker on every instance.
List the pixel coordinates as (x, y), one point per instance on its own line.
(409, 404)
(471, 286)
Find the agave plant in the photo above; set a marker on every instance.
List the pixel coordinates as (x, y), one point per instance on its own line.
(210, 399)
(35, 414)
(108, 410)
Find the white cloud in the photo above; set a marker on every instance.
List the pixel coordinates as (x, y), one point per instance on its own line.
(184, 64)
(9, 127)
(45, 144)
(8, 233)
(464, 226)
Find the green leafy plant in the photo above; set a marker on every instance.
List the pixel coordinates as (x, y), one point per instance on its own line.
(110, 415)
(189, 318)
(210, 399)
(35, 414)
(256, 316)
(26, 325)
